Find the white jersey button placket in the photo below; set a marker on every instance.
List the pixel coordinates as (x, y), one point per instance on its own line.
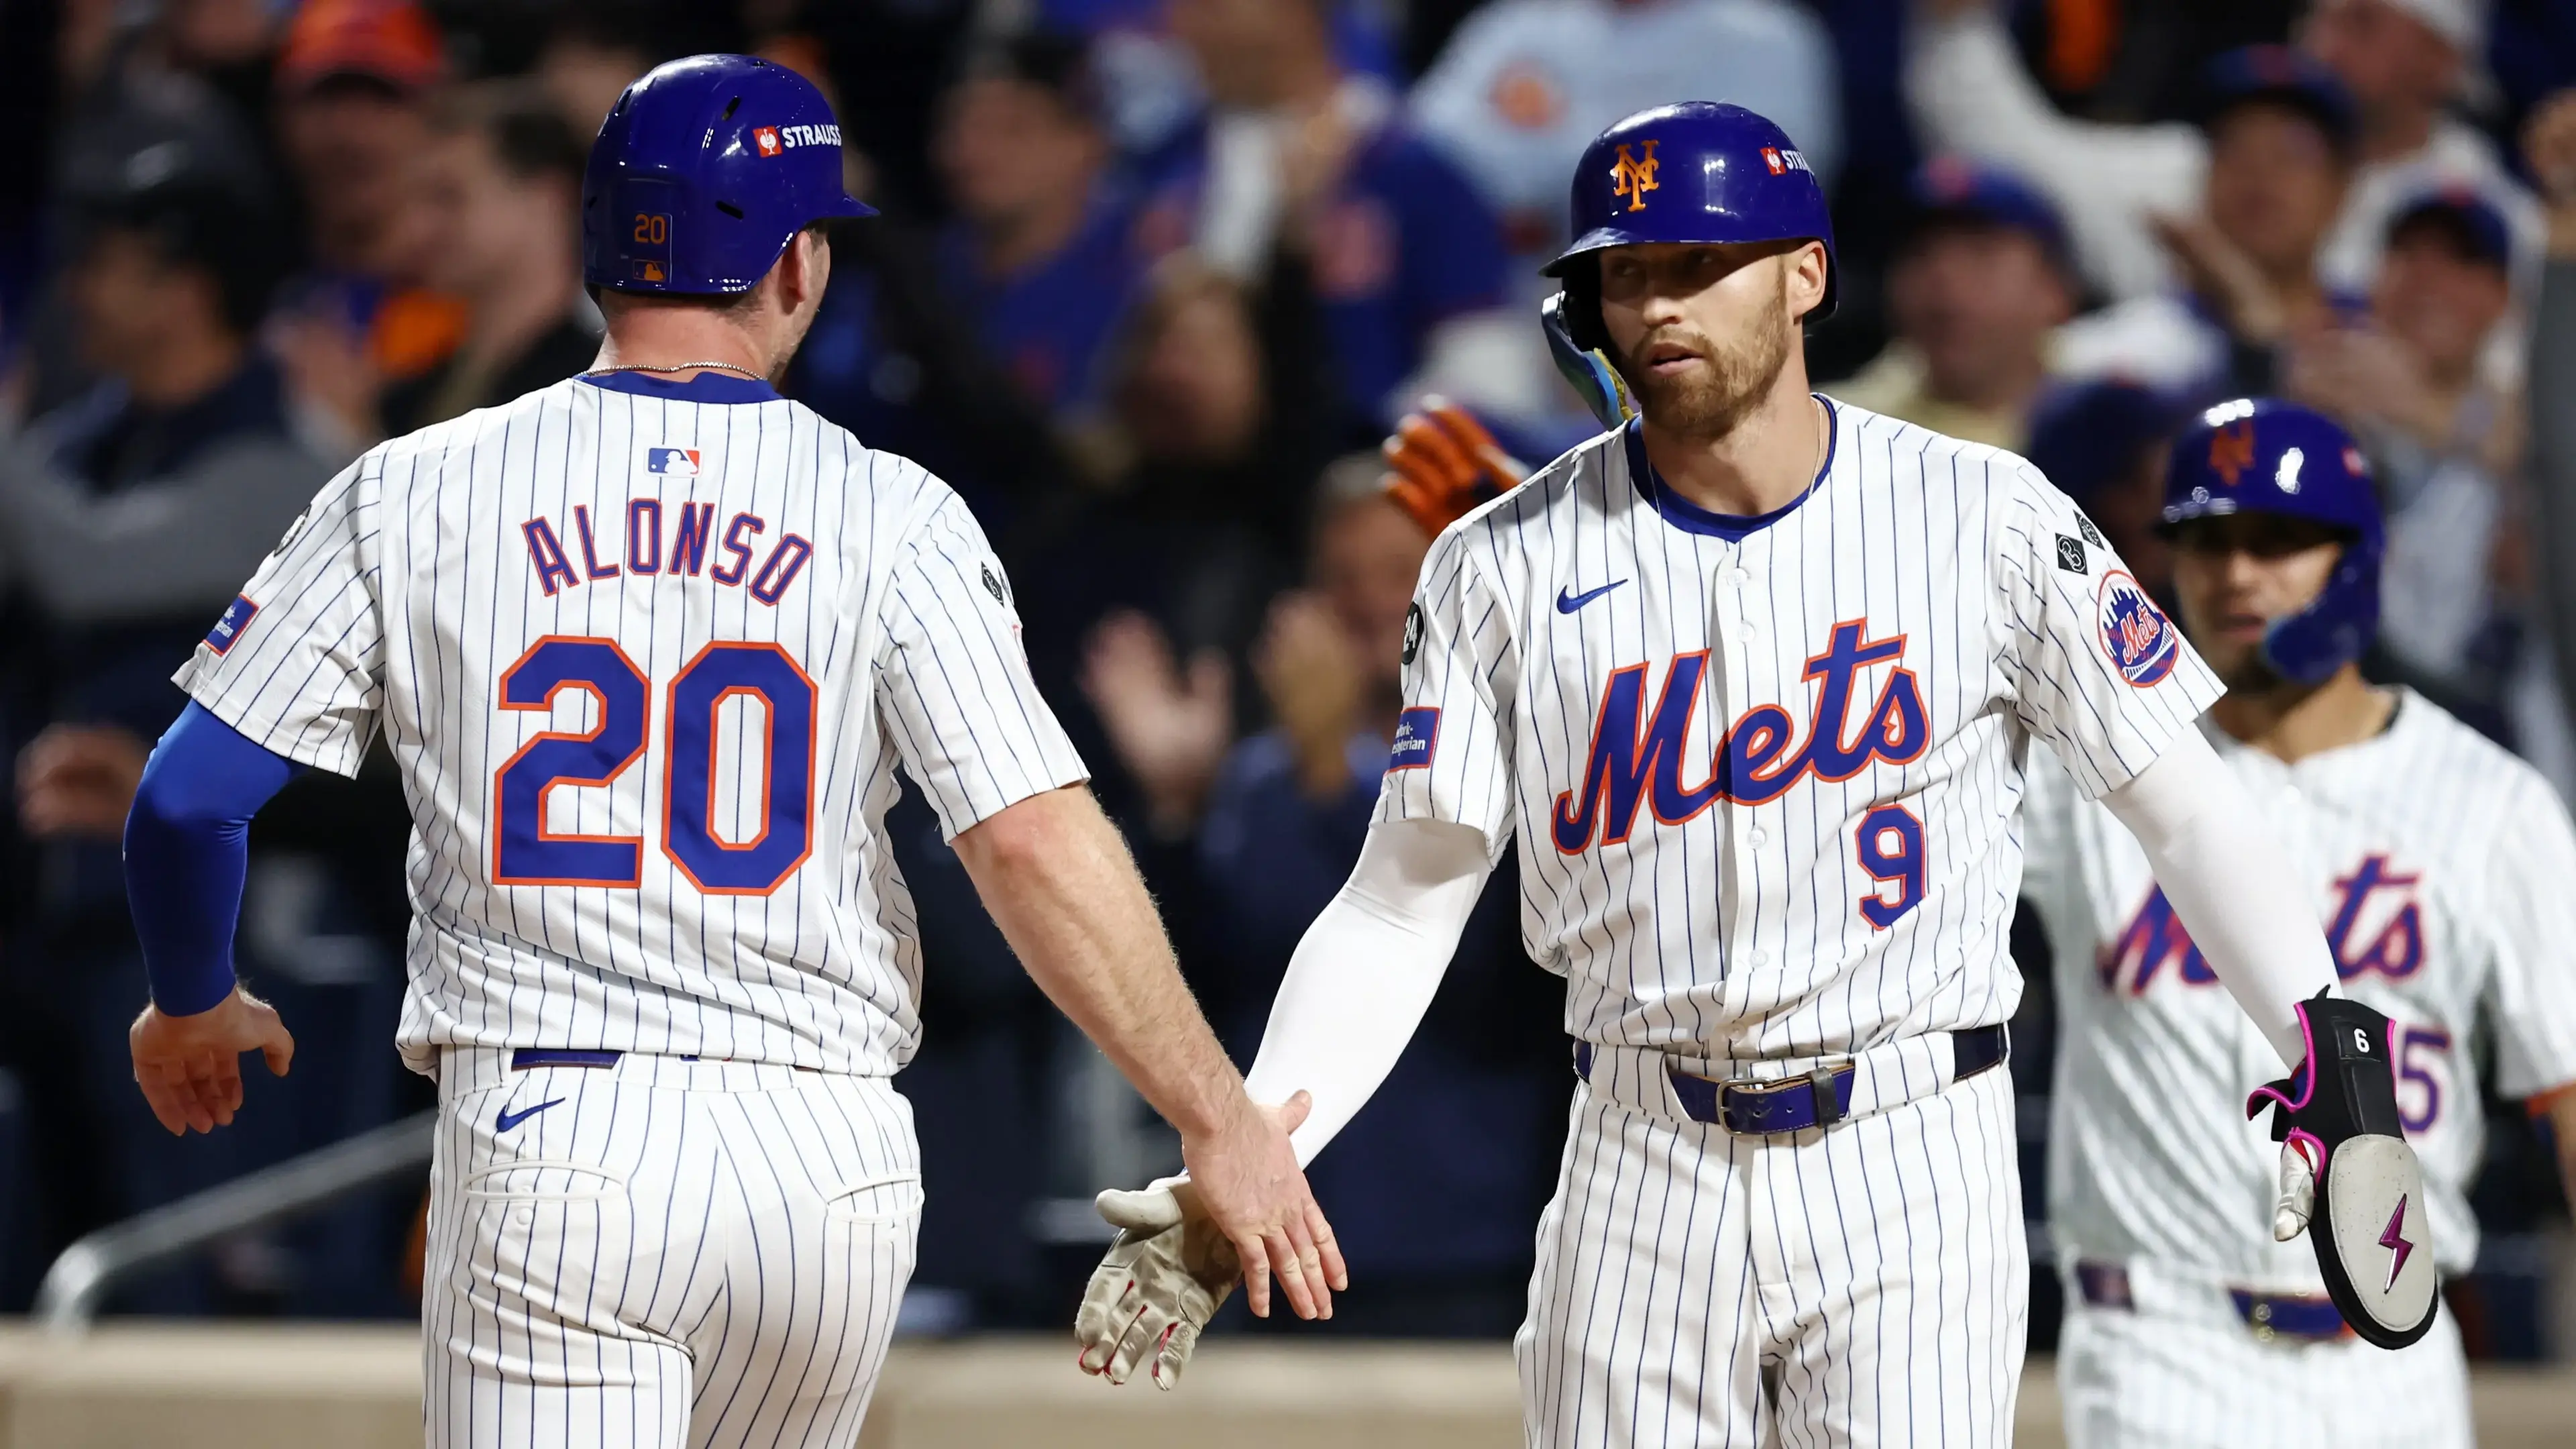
(1737, 633)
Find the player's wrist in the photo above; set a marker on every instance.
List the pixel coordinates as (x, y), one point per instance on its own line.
(194, 994)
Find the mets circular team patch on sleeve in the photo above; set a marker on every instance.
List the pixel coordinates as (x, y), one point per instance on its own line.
(2141, 642)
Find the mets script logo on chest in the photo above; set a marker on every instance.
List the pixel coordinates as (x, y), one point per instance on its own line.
(1631, 177)
(2377, 925)
(1636, 757)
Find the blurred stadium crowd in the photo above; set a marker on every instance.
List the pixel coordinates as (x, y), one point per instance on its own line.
(1154, 279)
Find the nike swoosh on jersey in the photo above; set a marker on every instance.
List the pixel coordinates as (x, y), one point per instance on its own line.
(510, 1119)
(1567, 601)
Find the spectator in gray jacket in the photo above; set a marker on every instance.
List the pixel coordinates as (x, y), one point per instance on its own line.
(129, 516)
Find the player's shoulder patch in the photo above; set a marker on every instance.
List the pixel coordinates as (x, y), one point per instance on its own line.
(2135, 635)
(228, 629)
(1417, 735)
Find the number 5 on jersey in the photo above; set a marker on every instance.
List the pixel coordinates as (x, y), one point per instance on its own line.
(526, 852)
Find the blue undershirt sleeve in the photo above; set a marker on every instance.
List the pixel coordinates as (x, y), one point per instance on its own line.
(187, 848)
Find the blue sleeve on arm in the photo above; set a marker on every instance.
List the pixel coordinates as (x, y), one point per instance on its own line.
(187, 847)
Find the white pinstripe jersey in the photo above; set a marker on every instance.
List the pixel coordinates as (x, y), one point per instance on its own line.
(2440, 866)
(1766, 788)
(647, 655)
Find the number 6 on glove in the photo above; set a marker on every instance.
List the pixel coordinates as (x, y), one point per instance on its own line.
(2373, 1241)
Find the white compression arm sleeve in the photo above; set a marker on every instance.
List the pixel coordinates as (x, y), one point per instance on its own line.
(1366, 970)
(2231, 883)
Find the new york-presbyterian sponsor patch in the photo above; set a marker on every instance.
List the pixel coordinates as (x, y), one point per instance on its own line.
(1417, 734)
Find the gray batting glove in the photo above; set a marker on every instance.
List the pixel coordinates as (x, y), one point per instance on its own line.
(1158, 1285)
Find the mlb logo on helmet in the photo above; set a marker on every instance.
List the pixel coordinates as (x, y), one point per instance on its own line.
(766, 138)
(672, 462)
(2140, 640)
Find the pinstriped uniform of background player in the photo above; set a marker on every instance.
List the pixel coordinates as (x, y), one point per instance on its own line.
(1766, 772)
(648, 654)
(2440, 865)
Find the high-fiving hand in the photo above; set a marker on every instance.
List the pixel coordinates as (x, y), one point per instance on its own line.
(1243, 1212)
(1250, 1184)
(1162, 1280)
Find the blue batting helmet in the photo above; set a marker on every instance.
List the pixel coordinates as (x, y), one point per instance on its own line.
(1700, 171)
(2260, 455)
(703, 172)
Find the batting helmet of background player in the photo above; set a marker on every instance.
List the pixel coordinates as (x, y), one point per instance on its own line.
(2261, 455)
(702, 174)
(1697, 172)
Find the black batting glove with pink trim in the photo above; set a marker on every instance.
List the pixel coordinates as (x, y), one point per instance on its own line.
(2348, 1176)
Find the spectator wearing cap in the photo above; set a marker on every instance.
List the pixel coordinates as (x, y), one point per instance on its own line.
(1042, 253)
(1524, 85)
(2280, 132)
(2400, 63)
(353, 111)
(501, 194)
(2459, 620)
(1977, 288)
(1405, 258)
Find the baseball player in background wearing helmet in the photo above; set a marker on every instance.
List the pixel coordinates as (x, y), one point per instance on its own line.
(2438, 863)
(1753, 676)
(648, 646)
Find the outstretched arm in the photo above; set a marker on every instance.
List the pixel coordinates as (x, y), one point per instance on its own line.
(186, 851)
(2227, 877)
(1059, 883)
(1366, 970)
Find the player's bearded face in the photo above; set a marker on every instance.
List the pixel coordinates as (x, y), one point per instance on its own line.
(1701, 362)
(2236, 574)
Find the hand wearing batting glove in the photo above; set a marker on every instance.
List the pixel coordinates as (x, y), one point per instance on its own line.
(1443, 465)
(1172, 1264)
(2348, 1178)
(1164, 1277)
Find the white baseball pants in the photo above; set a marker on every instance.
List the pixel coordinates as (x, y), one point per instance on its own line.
(662, 1252)
(1874, 1272)
(2131, 1380)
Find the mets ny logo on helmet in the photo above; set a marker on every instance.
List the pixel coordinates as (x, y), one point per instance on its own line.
(1632, 178)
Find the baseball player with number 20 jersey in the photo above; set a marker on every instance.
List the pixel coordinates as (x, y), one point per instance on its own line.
(649, 646)
(2440, 867)
(1753, 679)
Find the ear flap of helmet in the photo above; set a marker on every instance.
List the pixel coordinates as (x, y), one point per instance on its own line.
(2336, 627)
(1586, 368)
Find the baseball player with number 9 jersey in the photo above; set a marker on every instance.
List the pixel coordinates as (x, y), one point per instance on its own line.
(1752, 679)
(2440, 867)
